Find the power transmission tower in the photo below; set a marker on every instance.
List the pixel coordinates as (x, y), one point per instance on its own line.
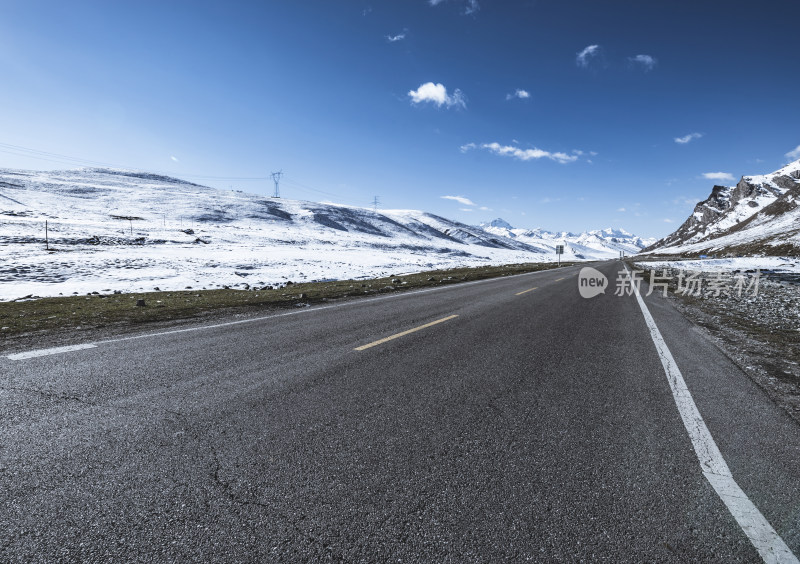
(276, 177)
(375, 203)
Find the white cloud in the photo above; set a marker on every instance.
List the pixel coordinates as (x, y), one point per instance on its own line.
(522, 154)
(467, 147)
(519, 93)
(646, 61)
(621, 210)
(174, 159)
(472, 7)
(465, 209)
(460, 199)
(794, 154)
(548, 200)
(684, 201)
(686, 138)
(484, 208)
(719, 176)
(437, 93)
(583, 58)
(398, 37)
(667, 220)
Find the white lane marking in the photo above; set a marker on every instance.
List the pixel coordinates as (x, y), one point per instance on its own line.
(44, 352)
(764, 538)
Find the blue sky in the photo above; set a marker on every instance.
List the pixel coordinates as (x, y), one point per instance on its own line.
(557, 114)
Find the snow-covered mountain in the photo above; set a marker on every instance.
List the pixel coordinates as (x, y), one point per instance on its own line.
(498, 223)
(757, 216)
(131, 231)
(589, 245)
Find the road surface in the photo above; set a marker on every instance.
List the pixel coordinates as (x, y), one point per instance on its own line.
(503, 420)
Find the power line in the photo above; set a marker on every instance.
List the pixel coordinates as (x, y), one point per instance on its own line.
(375, 203)
(306, 187)
(66, 159)
(59, 158)
(46, 155)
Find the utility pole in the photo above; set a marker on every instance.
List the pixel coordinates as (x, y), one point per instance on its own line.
(375, 203)
(276, 178)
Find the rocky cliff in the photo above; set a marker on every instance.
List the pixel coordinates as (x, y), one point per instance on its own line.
(755, 200)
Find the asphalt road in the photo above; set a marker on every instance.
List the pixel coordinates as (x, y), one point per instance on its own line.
(515, 424)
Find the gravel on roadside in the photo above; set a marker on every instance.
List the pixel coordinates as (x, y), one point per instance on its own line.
(756, 325)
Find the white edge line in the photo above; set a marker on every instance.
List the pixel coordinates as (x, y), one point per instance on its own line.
(46, 352)
(765, 539)
(58, 350)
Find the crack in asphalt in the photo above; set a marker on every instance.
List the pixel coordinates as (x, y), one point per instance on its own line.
(66, 397)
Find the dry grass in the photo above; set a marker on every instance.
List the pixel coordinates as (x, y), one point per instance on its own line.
(48, 315)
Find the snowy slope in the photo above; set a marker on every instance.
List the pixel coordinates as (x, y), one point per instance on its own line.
(758, 215)
(589, 245)
(130, 231)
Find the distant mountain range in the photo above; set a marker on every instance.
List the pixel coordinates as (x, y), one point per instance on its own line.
(133, 231)
(758, 216)
(589, 245)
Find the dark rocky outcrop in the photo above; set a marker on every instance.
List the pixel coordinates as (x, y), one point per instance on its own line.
(746, 199)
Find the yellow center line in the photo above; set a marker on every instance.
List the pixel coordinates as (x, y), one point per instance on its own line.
(525, 291)
(559, 280)
(404, 333)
